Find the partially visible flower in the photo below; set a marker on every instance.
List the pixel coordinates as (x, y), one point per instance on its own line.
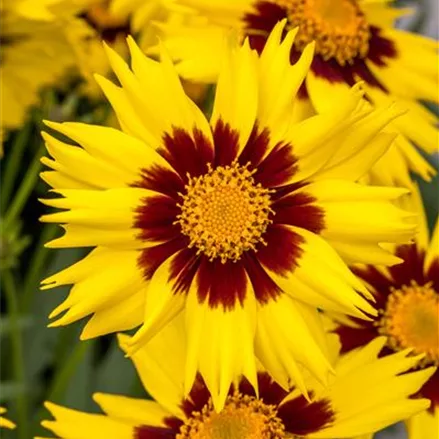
(112, 21)
(142, 14)
(243, 223)
(366, 394)
(5, 423)
(35, 54)
(407, 297)
(354, 41)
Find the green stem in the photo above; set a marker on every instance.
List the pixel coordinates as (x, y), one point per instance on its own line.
(36, 265)
(9, 287)
(64, 374)
(13, 165)
(24, 191)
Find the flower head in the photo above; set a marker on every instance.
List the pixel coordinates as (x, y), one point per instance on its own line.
(226, 221)
(367, 394)
(407, 298)
(354, 40)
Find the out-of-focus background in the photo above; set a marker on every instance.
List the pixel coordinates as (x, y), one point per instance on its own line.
(56, 366)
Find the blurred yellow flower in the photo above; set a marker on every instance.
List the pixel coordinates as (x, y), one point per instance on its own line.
(35, 53)
(354, 41)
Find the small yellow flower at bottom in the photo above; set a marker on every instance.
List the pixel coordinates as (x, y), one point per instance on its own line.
(367, 394)
(5, 423)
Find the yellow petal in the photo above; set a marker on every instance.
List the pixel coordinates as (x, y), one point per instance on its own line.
(134, 411)
(162, 305)
(236, 98)
(423, 425)
(77, 164)
(72, 424)
(160, 364)
(284, 340)
(220, 345)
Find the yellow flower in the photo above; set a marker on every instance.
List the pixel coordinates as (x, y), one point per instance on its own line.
(35, 53)
(243, 223)
(354, 41)
(367, 394)
(407, 297)
(5, 423)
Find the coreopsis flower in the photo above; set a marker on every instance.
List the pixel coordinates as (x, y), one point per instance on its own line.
(5, 423)
(354, 40)
(407, 297)
(35, 53)
(366, 394)
(243, 223)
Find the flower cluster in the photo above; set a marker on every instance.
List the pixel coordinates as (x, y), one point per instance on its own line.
(248, 208)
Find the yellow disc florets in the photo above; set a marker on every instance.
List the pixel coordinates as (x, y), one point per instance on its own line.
(243, 417)
(339, 28)
(224, 212)
(411, 320)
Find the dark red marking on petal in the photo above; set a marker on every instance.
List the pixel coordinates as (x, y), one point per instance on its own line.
(283, 250)
(155, 218)
(380, 48)
(256, 147)
(379, 282)
(259, 24)
(150, 432)
(430, 390)
(198, 397)
(184, 268)
(301, 417)
(352, 338)
(161, 180)
(432, 274)
(226, 143)
(107, 33)
(264, 288)
(186, 153)
(277, 168)
(411, 269)
(221, 284)
(269, 391)
(173, 423)
(300, 210)
(151, 258)
(274, 167)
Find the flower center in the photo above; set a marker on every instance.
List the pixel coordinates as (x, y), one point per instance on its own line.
(224, 212)
(243, 417)
(411, 320)
(339, 28)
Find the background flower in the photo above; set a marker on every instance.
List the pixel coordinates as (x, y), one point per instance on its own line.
(355, 41)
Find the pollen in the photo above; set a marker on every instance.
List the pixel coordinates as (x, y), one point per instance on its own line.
(411, 320)
(225, 213)
(243, 417)
(339, 28)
